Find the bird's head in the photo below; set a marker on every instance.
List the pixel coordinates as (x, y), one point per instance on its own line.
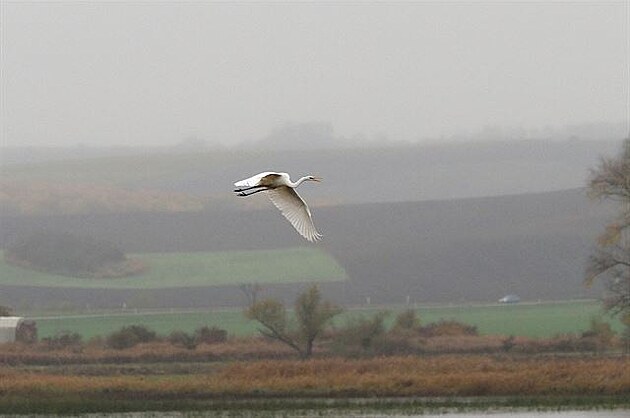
(314, 178)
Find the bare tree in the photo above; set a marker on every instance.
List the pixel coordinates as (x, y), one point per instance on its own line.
(311, 313)
(251, 291)
(611, 261)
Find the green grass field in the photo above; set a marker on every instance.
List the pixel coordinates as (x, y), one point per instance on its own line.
(532, 320)
(199, 269)
(535, 320)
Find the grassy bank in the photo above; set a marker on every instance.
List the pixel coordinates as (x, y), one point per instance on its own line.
(408, 383)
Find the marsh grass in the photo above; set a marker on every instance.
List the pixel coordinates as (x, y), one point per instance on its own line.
(395, 384)
(439, 376)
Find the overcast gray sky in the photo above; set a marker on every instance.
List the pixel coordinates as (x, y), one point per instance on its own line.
(142, 73)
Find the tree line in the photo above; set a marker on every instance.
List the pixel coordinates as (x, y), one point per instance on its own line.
(611, 260)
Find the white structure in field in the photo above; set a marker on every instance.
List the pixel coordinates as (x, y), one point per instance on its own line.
(8, 328)
(510, 299)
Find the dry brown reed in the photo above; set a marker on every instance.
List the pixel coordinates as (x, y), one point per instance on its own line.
(450, 375)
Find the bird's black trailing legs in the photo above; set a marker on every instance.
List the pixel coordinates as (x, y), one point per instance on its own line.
(242, 189)
(243, 194)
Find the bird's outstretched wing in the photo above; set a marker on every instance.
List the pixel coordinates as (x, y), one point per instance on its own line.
(262, 179)
(294, 208)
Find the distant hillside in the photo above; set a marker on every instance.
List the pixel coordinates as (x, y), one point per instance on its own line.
(534, 245)
(49, 197)
(187, 181)
(62, 254)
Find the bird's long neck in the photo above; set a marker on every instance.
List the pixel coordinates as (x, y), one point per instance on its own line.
(300, 181)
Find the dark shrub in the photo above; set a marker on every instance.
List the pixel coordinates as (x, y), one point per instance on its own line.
(202, 335)
(26, 332)
(205, 335)
(399, 343)
(361, 335)
(129, 336)
(508, 343)
(406, 321)
(600, 335)
(182, 339)
(63, 340)
(447, 328)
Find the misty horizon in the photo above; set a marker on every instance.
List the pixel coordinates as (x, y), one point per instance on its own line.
(110, 74)
(321, 135)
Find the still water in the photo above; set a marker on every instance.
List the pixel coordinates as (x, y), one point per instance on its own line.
(617, 413)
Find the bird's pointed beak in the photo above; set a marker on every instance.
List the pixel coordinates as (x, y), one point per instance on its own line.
(317, 179)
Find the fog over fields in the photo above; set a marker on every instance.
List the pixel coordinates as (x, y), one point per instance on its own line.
(455, 139)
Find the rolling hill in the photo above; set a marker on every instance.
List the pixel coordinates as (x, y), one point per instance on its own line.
(476, 249)
(167, 182)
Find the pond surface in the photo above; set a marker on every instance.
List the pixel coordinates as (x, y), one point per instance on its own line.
(617, 413)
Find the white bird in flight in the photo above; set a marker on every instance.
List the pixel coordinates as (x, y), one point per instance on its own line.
(281, 191)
